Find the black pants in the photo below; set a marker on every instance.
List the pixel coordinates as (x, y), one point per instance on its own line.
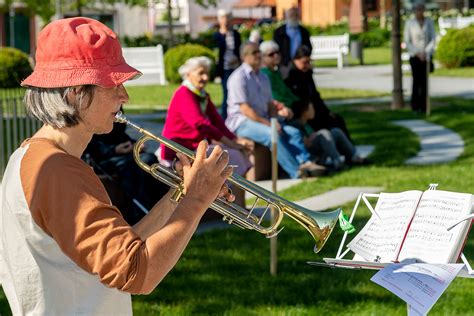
(329, 121)
(418, 95)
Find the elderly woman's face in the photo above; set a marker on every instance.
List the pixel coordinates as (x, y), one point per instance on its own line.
(271, 59)
(199, 77)
(99, 117)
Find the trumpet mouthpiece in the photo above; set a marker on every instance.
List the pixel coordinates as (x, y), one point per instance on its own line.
(120, 118)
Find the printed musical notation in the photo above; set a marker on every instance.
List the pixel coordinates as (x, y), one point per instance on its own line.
(382, 235)
(428, 237)
(413, 224)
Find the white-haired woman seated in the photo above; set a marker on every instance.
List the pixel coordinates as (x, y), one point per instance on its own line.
(193, 117)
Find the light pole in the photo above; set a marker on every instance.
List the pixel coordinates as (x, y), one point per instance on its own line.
(58, 15)
(12, 25)
(397, 93)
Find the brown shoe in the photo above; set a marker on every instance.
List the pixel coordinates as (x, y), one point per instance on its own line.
(311, 169)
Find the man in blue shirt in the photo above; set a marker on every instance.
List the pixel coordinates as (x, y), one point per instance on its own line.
(250, 107)
(290, 36)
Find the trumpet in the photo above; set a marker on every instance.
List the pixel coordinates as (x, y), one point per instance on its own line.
(318, 224)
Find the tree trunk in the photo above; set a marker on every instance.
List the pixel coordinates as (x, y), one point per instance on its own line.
(365, 19)
(170, 24)
(383, 14)
(397, 102)
(79, 7)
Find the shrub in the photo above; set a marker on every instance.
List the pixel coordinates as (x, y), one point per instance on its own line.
(177, 55)
(153, 40)
(206, 39)
(373, 38)
(456, 48)
(14, 67)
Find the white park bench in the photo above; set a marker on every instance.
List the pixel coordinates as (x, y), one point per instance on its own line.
(330, 47)
(149, 60)
(454, 23)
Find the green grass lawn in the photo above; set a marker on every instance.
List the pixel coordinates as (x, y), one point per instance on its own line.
(226, 272)
(465, 72)
(155, 97)
(372, 56)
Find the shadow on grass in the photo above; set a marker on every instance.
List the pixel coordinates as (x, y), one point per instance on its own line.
(226, 272)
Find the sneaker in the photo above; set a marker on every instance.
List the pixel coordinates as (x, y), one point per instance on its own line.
(311, 169)
(359, 161)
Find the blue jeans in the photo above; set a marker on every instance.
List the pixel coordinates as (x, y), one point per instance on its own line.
(291, 151)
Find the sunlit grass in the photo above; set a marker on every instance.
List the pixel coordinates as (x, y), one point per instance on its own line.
(226, 272)
(145, 99)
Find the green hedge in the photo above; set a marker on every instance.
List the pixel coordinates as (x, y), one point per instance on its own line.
(177, 55)
(373, 38)
(14, 67)
(456, 48)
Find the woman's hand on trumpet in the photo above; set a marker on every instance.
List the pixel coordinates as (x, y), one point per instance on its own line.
(204, 179)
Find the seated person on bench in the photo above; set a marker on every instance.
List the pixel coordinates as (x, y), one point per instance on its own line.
(192, 117)
(112, 155)
(250, 107)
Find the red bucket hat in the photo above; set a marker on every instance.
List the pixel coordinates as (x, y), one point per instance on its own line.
(79, 51)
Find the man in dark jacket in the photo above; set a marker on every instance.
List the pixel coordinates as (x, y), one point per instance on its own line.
(228, 41)
(290, 36)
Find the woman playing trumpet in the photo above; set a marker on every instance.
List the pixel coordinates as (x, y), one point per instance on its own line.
(66, 250)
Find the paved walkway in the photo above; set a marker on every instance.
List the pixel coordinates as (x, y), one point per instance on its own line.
(379, 78)
(438, 144)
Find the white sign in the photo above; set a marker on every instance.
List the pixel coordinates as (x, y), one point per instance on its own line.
(419, 284)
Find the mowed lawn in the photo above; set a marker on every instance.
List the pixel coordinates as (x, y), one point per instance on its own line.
(226, 272)
(154, 97)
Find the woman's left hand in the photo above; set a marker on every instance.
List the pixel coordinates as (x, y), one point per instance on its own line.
(225, 191)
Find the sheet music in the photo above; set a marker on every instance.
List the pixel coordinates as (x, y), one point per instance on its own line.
(427, 238)
(380, 239)
(419, 284)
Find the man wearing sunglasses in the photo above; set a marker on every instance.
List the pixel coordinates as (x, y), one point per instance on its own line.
(250, 107)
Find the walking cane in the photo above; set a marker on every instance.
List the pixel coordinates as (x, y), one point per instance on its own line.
(428, 103)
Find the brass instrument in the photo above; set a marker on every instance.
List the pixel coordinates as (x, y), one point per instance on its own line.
(318, 224)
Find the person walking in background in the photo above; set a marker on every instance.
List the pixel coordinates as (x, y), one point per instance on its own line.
(250, 108)
(420, 37)
(192, 117)
(290, 36)
(228, 41)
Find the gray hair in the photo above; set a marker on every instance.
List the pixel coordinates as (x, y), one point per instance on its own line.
(247, 49)
(193, 63)
(269, 46)
(55, 107)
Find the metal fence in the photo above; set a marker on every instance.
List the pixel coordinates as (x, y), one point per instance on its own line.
(15, 124)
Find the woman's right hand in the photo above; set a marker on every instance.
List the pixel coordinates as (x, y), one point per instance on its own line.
(204, 178)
